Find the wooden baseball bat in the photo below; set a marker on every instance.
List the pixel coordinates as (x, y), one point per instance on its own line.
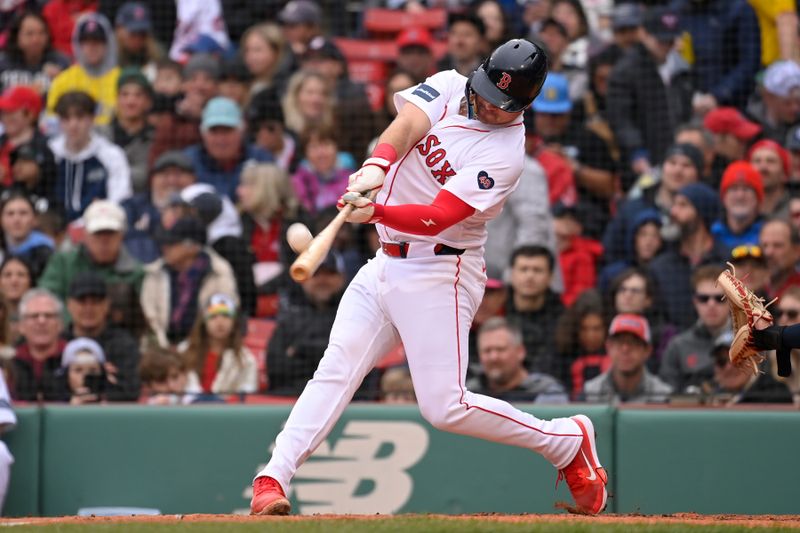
(308, 262)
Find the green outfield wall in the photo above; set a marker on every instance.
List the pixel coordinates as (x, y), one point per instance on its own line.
(387, 459)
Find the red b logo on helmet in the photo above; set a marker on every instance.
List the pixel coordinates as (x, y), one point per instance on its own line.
(504, 82)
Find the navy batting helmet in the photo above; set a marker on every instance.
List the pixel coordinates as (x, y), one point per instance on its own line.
(511, 77)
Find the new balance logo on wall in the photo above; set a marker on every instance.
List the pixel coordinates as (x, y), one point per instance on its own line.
(365, 471)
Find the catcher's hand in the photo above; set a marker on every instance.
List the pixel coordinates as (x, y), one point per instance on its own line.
(749, 312)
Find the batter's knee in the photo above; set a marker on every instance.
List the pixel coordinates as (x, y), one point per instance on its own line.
(444, 415)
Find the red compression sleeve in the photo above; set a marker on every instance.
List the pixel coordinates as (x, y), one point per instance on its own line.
(447, 209)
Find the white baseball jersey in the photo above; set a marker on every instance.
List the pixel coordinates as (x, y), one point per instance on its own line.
(458, 155)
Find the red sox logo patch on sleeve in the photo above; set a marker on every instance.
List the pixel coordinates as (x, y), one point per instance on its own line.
(505, 81)
(484, 181)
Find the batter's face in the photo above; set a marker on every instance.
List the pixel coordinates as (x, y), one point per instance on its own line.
(491, 114)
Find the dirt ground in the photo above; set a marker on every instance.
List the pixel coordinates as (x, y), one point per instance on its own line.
(791, 521)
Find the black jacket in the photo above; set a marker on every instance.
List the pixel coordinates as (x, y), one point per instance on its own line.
(122, 351)
(538, 329)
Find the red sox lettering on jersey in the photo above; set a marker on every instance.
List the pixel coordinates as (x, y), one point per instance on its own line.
(434, 157)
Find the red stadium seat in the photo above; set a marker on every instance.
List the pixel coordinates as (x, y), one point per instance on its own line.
(368, 71)
(390, 21)
(367, 49)
(375, 93)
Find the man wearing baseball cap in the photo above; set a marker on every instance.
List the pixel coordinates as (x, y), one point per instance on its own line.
(102, 252)
(629, 345)
(415, 52)
(130, 128)
(733, 133)
(774, 164)
(188, 272)
(19, 113)
(741, 192)
(779, 107)
(219, 158)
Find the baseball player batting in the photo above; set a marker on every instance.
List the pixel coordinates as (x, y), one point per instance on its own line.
(441, 170)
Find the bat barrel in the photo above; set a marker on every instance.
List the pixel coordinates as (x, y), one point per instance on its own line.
(308, 262)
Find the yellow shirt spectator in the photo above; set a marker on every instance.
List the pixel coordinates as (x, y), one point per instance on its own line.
(103, 89)
(776, 19)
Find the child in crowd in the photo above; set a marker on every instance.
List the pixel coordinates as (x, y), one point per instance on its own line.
(89, 165)
(19, 233)
(319, 181)
(164, 375)
(84, 376)
(577, 255)
(218, 362)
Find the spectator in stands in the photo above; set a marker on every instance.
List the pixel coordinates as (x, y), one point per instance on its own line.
(726, 47)
(308, 101)
(219, 363)
(396, 386)
(495, 21)
(171, 173)
(188, 273)
(130, 129)
(733, 133)
(733, 384)
(62, 17)
(525, 219)
(224, 236)
(628, 381)
(89, 306)
(38, 357)
(95, 71)
(702, 139)
(560, 179)
(102, 252)
(582, 42)
(741, 192)
(534, 306)
(634, 291)
(300, 21)
(492, 304)
(466, 44)
(580, 340)
(20, 238)
(235, 81)
(626, 20)
(352, 105)
(696, 207)
(397, 81)
(642, 108)
(268, 207)
(750, 260)
(199, 26)
(592, 164)
(267, 128)
(262, 48)
(682, 164)
(319, 180)
(415, 53)
(773, 163)
(578, 256)
(780, 243)
(16, 278)
(21, 140)
(503, 373)
(593, 101)
(687, 359)
(164, 375)
(138, 47)
(82, 377)
(29, 58)
(777, 21)
(89, 165)
(553, 35)
(787, 313)
(166, 90)
(779, 108)
(181, 127)
(644, 242)
(219, 158)
(303, 329)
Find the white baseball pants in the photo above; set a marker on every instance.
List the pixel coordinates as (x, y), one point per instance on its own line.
(427, 303)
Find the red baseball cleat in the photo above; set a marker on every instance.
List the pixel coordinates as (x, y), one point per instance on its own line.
(585, 476)
(268, 498)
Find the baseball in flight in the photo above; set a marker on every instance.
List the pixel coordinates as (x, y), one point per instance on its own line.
(298, 236)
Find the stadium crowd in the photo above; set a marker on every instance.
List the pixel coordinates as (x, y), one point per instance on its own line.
(153, 154)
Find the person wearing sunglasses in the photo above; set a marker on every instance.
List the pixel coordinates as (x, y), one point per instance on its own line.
(749, 260)
(687, 359)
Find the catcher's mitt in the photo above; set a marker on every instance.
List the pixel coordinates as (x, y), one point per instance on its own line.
(746, 309)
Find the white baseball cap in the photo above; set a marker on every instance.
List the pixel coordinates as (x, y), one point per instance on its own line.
(104, 215)
(782, 77)
(82, 350)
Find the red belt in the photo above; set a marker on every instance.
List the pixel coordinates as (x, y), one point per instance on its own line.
(400, 249)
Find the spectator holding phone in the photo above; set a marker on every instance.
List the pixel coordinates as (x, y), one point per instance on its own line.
(82, 367)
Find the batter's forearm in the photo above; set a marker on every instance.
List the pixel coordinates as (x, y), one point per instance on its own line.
(445, 211)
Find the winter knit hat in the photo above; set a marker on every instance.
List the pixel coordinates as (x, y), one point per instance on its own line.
(769, 144)
(704, 199)
(687, 150)
(742, 172)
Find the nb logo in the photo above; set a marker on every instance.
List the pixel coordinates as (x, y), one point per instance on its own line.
(505, 81)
